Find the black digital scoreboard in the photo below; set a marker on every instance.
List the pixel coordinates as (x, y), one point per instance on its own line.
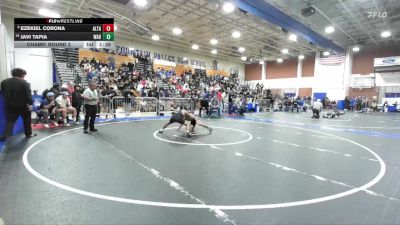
(64, 33)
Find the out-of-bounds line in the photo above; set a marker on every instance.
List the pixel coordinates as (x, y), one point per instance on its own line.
(219, 214)
(325, 150)
(333, 152)
(322, 125)
(317, 177)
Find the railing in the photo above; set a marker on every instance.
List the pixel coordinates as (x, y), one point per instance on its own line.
(132, 106)
(168, 105)
(264, 104)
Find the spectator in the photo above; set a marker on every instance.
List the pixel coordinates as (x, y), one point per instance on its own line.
(77, 101)
(64, 107)
(47, 107)
(295, 105)
(55, 89)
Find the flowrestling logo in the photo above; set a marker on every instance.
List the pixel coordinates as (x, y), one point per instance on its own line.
(373, 15)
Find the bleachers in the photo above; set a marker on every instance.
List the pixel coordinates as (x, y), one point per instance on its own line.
(67, 65)
(102, 56)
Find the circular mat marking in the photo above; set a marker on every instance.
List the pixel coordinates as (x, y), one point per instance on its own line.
(217, 144)
(328, 119)
(203, 206)
(327, 125)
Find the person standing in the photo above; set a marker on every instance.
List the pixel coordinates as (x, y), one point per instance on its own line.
(90, 96)
(317, 108)
(77, 101)
(18, 102)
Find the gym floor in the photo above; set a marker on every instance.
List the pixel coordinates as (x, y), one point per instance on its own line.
(264, 168)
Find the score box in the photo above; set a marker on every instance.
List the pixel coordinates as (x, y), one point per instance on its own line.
(108, 36)
(108, 27)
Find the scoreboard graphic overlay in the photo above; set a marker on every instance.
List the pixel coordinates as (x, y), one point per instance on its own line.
(64, 33)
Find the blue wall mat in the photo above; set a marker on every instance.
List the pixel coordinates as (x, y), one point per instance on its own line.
(340, 104)
(319, 96)
(18, 127)
(1, 146)
(392, 109)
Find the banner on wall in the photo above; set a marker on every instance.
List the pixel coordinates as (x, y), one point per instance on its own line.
(164, 62)
(159, 56)
(387, 61)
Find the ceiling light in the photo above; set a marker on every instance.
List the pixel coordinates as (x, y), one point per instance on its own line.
(214, 51)
(285, 51)
(236, 34)
(195, 47)
(47, 13)
(155, 37)
(177, 31)
(279, 60)
(301, 56)
(228, 7)
(213, 41)
(140, 3)
(326, 53)
(386, 34)
(244, 58)
(241, 49)
(329, 29)
(356, 49)
(261, 62)
(50, 1)
(293, 37)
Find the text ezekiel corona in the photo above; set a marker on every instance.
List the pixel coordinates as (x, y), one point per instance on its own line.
(42, 28)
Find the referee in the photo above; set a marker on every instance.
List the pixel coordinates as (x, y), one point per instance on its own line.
(18, 102)
(91, 99)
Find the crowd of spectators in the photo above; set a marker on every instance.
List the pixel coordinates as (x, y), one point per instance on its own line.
(58, 102)
(224, 94)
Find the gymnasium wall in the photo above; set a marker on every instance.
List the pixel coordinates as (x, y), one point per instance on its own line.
(305, 92)
(6, 53)
(363, 61)
(363, 64)
(38, 64)
(286, 69)
(368, 92)
(253, 71)
(308, 66)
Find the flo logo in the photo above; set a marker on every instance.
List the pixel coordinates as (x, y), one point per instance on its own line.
(377, 14)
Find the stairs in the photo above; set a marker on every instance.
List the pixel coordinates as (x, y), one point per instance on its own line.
(66, 74)
(161, 84)
(144, 65)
